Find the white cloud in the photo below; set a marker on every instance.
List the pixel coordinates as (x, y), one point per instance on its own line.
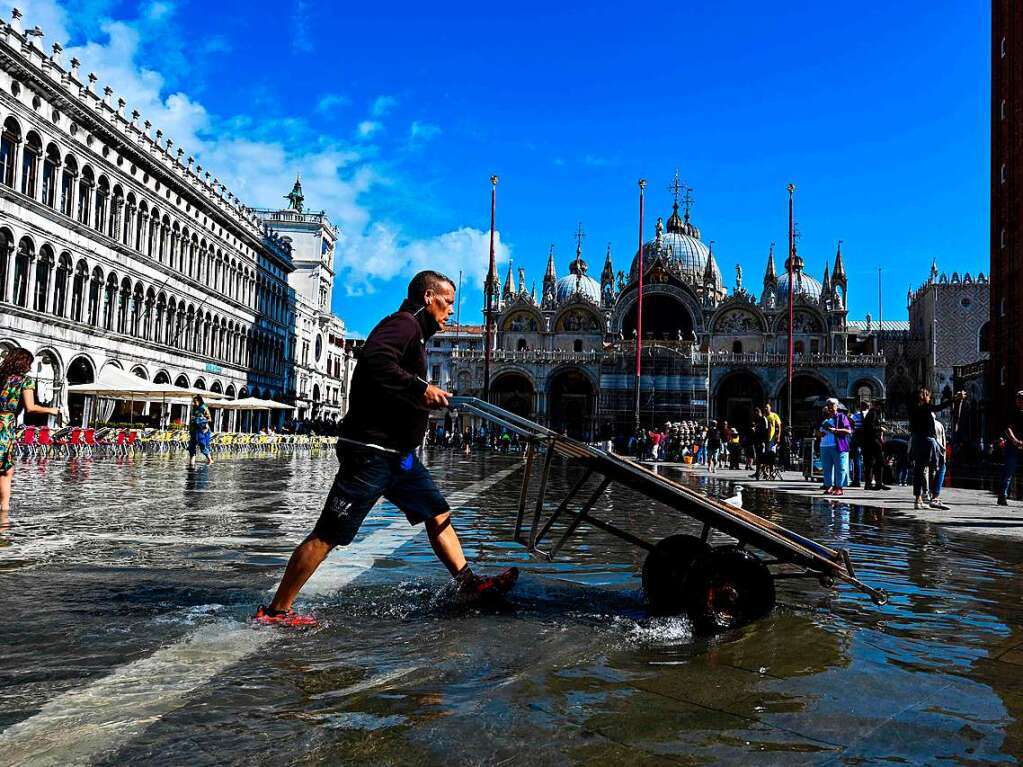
(258, 158)
(367, 128)
(421, 132)
(331, 101)
(380, 253)
(382, 105)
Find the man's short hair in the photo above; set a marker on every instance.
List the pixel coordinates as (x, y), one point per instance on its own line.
(427, 280)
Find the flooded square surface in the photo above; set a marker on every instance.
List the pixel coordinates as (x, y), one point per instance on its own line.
(127, 586)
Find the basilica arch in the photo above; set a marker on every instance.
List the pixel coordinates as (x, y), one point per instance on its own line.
(514, 390)
(669, 313)
(571, 398)
(736, 394)
(809, 392)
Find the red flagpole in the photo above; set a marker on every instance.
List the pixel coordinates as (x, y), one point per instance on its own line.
(792, 290)
(639, 308)
(491, 279)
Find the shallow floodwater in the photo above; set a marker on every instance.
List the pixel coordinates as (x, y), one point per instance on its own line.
(126, 584)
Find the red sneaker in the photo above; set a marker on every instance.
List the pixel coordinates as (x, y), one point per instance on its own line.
(269, 617)
(476, 587)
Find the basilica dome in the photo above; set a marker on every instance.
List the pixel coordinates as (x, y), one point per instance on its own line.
(577, 281)
(805, 284)
(681, 250)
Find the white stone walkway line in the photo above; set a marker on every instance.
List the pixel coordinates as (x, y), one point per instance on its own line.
(94, 721)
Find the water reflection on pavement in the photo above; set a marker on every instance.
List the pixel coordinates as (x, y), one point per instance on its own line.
(120, 576)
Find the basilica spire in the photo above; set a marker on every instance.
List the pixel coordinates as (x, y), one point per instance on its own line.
(550, 279)
(675, 223)
(770, 276)
(708, 277)
(607, 279)
(522, 280)
(839, 273)
(825, 288)
(509, 284)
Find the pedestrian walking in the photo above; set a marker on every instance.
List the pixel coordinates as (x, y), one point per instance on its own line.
(871, 440)
(922, 444)
(855, 450)
(758, 439)
(713, 447)
(835, 432)
(17, 391)
(200, 432)
(1013, 438)
(939, 466)
(386, 422)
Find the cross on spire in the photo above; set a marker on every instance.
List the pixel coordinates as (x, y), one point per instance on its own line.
(676, 186)
(687, 201)
(580, 235)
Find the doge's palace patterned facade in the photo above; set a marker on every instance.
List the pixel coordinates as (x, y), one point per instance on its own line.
(117, 249)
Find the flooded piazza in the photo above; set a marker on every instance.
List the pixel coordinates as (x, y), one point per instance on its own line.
(128, 583)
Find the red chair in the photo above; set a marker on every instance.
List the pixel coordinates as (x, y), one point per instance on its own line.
(27, 443)
(45, 440)
(133, 441)
(90, 441)
(73, 447)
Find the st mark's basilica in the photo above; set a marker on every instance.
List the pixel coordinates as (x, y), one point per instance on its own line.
(567, 357)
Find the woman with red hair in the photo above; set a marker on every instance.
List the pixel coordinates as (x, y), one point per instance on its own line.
(17, 390)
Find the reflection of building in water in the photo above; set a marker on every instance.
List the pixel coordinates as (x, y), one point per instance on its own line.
(567, 356)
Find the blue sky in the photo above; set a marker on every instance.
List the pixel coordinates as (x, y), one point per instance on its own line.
(396, 115)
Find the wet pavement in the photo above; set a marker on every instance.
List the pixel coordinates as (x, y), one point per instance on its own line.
(126, 585)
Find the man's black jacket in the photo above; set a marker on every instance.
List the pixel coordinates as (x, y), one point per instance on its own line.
(385, 406)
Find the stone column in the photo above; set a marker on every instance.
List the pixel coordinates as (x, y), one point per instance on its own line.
(11, 268)
(30, 284)
(51, 288)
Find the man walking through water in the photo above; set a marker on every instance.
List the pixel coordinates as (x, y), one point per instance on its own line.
(386, 421)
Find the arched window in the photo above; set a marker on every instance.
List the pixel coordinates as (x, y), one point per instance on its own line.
(85, 188)
(51, 168)
(116, 213)
(67, 185)
(78, 291)
(983, 338)
(798, 347)
(577, 345)
(95, 295)
(140, 226)
(30, 163)
(44, 274)
(61, 277)
(9, 140)
(161, 312)
(137, 304)
(522, 345)
(102, 200)
(6, 261)
(123, 305)
(736, 347)
(22, 260)
(110, 301)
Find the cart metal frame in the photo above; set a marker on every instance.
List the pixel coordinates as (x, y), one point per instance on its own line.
(793, 555)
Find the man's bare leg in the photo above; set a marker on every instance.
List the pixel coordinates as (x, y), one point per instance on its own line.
(303, 563)
(445, 543)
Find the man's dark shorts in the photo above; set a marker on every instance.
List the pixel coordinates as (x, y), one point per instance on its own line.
(365, 476)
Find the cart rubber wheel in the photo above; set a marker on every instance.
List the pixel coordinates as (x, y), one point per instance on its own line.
(726, 588)
(665, 571)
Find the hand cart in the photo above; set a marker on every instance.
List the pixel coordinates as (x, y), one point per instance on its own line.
(716, 586)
